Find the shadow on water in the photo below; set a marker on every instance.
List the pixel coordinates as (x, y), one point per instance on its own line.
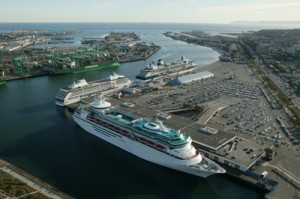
(37, 108)
(84, 166)
(222, 184)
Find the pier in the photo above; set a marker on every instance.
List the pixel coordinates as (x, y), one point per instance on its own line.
(214, 103)
(16, 183)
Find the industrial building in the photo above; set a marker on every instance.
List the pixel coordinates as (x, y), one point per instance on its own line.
(192, 78)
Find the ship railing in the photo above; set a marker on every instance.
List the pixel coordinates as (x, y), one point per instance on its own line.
(182, 158)
(99, 81)
(154, 145)
(84, 91)
(207, 165)
(119, 120)
(123, 123)
(193, 156)
(162, 136)
(125, 114)
(165, 140)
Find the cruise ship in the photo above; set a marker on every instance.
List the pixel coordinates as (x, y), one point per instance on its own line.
(161, 68)
(149, 140)
(82, 89)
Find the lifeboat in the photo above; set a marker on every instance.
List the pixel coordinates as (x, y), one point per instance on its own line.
(159, 147)
(123, 132)
(150, 142)
(97, 120)
(141, 139)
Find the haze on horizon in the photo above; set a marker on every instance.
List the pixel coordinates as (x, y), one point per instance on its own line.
(169, 11)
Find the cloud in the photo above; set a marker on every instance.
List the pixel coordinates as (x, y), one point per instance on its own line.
(268, 6)
(103, 5)
(114, 3)
(252, 7)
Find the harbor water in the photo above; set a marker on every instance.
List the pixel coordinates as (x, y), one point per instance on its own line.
(43, 139)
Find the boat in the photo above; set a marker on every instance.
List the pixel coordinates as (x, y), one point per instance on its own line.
(72, 69)
(3, 78)
(149, 140)
(161, 68)
(81, 89)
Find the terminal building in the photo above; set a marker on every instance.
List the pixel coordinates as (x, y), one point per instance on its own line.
(192, 78)
(227, 148)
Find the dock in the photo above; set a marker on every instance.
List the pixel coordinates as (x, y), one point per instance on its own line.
(21, 184)
(252, 179)
(243, 125)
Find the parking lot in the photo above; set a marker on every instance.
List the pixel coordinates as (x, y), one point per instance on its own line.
(254, 118)
(252, 115)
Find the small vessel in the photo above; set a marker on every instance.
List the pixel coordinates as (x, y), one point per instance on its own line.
(81, 89)
(151, 141)
(3, 78)
(161, 68)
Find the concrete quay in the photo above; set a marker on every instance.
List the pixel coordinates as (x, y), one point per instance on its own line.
(233, 104)
(40, 188)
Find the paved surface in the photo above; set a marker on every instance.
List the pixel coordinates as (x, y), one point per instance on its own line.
(33, 182)
(248, 115)
(284, 169)
(30, 183)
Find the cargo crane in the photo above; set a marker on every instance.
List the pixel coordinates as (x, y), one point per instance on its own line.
(82, 57)
(22, 65)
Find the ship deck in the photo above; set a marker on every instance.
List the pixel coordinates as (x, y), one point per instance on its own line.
(128, 115)
(191, 126)
(186, 125)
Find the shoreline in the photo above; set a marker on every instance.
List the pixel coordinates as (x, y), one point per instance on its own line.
(39, 186)
(140, 59)
(47, 74)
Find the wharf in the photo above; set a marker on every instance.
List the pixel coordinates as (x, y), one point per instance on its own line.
(237, 143)
(192, 128)
(23, 184)
(43, 61)
(251, 178)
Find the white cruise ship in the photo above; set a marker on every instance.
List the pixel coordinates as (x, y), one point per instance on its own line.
(161, 68)
(81, 89)
(148, 140)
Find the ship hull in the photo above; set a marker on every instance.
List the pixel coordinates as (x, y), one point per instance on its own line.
(140, 150)
(152, 75)
(85, 69)
(67, 101)
(64, 98)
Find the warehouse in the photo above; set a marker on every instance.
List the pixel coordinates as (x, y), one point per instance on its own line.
(191, 78)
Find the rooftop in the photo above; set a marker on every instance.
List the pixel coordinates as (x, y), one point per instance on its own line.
(242, 150)
(192, 77)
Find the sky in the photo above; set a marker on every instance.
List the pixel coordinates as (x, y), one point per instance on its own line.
(162, 11)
